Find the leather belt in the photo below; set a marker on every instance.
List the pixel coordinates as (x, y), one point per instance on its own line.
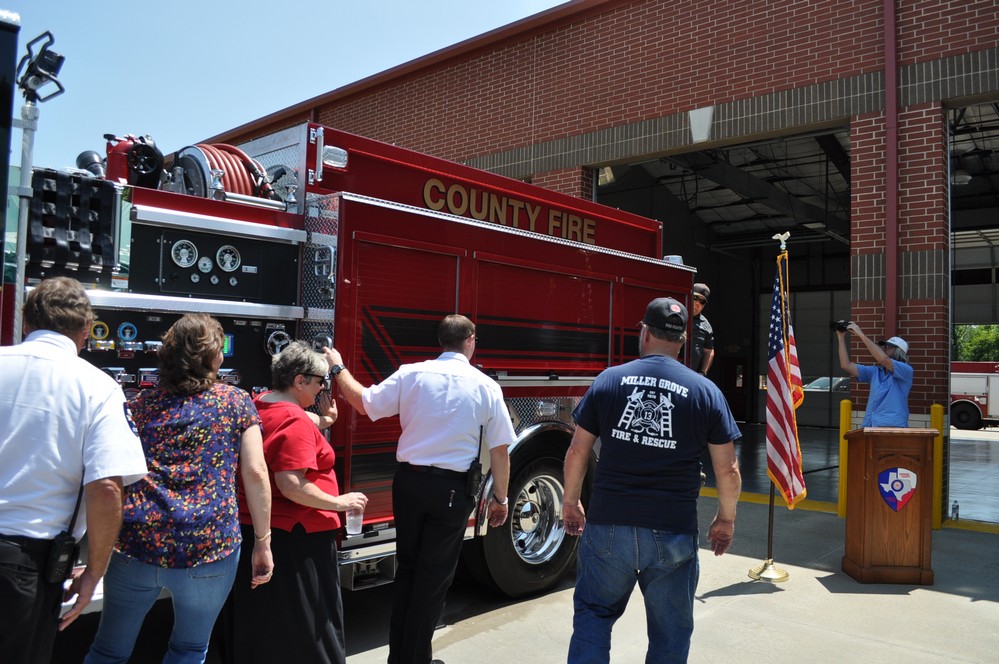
(32, 544)
(434, 470)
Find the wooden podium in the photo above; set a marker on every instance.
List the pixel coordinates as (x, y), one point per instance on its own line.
(889, 495)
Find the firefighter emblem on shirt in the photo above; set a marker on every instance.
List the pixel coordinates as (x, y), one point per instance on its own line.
(898, 486)
(648, 413)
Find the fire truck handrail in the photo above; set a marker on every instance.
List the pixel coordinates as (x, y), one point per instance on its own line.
(544, 381)
(118, 300)
(207, 223)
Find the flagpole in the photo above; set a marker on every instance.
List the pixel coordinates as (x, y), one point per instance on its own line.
(767, 571)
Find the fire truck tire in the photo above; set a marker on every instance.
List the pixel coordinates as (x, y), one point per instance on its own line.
(531, 552)
(965, 416)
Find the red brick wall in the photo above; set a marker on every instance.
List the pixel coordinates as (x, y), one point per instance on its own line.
(923, 226)
(932, 29)
(648, 59)
(576, 182)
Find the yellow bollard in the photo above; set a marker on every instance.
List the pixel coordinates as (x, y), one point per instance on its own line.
(937, 422)
(845, 411)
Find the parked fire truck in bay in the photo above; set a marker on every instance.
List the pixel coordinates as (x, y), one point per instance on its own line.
(320, 235)
(974, 394)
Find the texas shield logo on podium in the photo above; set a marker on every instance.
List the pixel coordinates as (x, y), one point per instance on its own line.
(897, 486)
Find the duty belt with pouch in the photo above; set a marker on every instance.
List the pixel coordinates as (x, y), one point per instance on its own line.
(65, 549)
(473, 483)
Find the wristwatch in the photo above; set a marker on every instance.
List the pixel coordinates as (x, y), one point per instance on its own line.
(504, 502)
(336, 369)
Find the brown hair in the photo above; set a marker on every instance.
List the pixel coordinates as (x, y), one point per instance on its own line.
(453, 331)
(59, 304)
(188, 354)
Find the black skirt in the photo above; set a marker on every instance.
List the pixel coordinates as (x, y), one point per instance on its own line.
(298, 615)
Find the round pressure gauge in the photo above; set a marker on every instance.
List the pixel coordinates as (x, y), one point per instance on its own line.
(99, 330)
(184, 253)
(205, 264)
(227, 257)
(127, 332)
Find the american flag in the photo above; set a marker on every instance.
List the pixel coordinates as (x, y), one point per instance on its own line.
(784, 394)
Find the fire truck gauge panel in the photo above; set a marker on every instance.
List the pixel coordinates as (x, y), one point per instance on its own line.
(127, 331)
(277, 341)
(214, 279)
(228, 258)
(246, 267)
(184, 253)
(99, 330)
(228, 344)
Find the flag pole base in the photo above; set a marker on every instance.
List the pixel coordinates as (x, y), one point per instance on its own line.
(768, 572)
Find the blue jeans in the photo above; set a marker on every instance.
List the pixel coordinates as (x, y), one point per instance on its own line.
(131, 587)
(610, 560)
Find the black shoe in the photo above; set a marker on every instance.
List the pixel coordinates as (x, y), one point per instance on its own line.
(437, 661)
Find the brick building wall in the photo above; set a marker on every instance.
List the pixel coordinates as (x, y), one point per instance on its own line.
(921, 278)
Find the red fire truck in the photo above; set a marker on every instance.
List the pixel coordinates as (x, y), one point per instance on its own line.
(316, 234)
(974, 394)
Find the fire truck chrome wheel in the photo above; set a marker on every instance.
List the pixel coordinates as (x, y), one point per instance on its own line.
(530, 553)
(537, 519)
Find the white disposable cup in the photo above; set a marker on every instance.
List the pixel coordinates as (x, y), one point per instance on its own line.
(355, 517)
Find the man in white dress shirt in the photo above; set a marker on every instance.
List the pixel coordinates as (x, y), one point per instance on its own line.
(66, 440)
(445, 407)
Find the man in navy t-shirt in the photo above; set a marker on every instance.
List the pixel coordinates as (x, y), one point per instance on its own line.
(890, 379)
(654, 417)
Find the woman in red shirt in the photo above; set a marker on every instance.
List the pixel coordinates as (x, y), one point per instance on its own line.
(298, 616)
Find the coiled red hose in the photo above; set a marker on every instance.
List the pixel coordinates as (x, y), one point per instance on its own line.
(242, 175)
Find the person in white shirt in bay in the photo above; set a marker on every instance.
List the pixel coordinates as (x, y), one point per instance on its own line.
(64, 429)
(443, 405)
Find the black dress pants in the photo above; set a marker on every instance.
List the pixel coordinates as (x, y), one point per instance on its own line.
(29, 606)
(431, 513)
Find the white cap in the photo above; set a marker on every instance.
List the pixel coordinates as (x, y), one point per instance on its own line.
(899, 342)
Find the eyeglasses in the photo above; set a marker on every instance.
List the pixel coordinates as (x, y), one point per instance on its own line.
(698, 298)
(473, 336)
(325, 380)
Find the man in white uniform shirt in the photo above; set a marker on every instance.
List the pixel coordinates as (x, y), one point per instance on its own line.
(444, 406)
(64, 431)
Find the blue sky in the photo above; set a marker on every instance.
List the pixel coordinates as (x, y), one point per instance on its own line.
(182, 71)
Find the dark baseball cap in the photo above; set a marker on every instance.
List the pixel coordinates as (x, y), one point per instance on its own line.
(667, 314)
(703, 291)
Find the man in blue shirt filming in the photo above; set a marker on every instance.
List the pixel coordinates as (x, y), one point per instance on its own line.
(890, 378)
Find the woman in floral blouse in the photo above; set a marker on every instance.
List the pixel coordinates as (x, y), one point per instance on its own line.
(180, 529)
